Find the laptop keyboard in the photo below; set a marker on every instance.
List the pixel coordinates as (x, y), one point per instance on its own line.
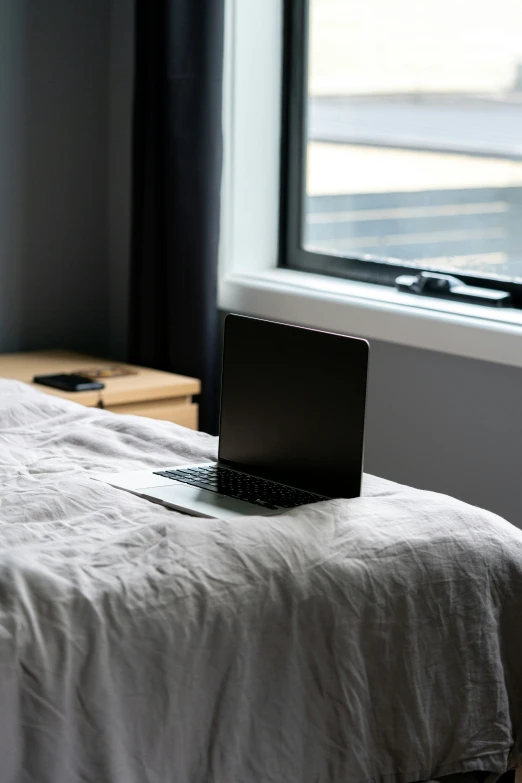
(233, 484)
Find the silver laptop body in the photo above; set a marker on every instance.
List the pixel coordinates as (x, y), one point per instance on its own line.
(291, 426)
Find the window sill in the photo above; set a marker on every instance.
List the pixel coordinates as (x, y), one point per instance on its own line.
(376, 312)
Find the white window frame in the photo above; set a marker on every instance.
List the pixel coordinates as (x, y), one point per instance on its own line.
(249, 278)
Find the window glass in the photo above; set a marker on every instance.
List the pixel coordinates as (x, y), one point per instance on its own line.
(414, 133)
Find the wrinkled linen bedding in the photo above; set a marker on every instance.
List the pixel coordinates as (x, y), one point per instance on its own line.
(374, 639)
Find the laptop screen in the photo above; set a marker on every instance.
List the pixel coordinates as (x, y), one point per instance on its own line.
(293, 405)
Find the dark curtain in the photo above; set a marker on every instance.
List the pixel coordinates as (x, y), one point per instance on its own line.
(177, 158)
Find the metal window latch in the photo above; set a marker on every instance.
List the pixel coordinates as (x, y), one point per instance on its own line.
(449, 287)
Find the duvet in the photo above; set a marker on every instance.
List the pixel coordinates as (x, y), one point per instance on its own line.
(375, 639)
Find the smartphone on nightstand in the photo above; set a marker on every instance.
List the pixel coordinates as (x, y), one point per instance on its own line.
(68, 382)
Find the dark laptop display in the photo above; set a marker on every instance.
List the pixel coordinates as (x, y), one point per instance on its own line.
(292, 426)
(293, 405)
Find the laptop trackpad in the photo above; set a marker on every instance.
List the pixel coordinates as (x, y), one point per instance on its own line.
(203, 503)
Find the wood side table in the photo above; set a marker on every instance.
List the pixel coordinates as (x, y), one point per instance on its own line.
(152, 393)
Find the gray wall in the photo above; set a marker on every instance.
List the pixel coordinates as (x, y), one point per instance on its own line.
(447, 424)
(63, 210)
(121, 72)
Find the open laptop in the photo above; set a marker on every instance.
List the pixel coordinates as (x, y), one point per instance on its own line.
(291, 426)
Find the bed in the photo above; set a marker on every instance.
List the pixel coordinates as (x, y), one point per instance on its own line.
(376, 639)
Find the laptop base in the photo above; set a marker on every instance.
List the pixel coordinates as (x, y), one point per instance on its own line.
(182, 497)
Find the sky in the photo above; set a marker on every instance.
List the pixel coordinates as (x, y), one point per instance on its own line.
(383, 46)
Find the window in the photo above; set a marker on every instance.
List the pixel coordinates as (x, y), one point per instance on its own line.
(403, 143)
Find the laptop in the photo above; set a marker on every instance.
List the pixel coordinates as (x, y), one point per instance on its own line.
(291, 426)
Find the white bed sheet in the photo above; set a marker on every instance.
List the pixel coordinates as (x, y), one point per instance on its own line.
(374, 639)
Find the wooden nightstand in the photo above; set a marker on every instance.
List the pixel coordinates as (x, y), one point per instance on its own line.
(159, 395)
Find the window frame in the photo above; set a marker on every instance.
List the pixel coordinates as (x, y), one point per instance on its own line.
(377, 270)
(249, 278)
